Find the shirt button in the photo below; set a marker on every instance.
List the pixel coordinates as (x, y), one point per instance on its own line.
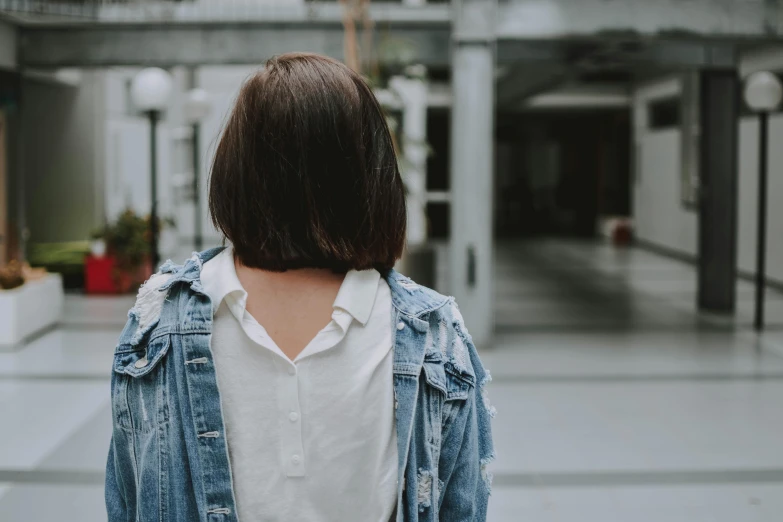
(400, 325)
(291, 370)
(141, 363)
(296, 459)
(293, 416)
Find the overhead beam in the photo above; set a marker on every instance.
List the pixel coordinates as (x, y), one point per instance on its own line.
(547, 19)
(8, 39)
(698, 33)
(527, 79)
(630, 50)
(533, 67)
(98, 45)
(515, 19)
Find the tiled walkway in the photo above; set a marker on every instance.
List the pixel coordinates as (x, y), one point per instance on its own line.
(616, 401)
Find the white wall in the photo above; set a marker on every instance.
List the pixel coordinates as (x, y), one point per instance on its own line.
(7, 46)
(659, 215)
(62, 133)
(223, 84)
(748, 196)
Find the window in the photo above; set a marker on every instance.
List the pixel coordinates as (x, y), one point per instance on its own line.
(664, 113)
(439, 220)
(690, 144)
(438, 131)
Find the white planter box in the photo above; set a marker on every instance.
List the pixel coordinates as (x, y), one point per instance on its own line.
(29, 309)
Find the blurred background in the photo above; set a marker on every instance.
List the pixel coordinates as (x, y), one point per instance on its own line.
(598, 182)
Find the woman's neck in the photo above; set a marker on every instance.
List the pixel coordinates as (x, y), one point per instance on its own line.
(292, 306)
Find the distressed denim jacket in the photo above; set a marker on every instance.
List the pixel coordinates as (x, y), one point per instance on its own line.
(169, 461)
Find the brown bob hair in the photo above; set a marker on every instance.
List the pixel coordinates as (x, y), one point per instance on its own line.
(305, 174)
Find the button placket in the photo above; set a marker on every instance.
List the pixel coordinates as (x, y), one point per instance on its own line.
(212, 444)
(292, 446)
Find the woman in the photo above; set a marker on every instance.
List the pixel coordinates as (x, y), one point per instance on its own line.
(295, 375)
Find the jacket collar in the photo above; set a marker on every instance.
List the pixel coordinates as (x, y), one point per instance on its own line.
(408, 297)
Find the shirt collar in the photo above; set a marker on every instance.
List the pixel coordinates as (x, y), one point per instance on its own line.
(219, 280)
(357, 293)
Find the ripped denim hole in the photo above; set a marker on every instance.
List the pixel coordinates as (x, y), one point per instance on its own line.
(459, 355)
(424, 489)
(443, 341)
(487, 404)
(485, 396)
(486, 475)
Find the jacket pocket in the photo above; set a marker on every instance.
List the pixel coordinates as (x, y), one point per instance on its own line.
(139, 360)
(457, 391)
(454, 387)
(140, 392)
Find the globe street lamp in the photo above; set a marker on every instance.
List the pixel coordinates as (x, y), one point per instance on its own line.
(762, 94)
(197, 107)
(150, 91)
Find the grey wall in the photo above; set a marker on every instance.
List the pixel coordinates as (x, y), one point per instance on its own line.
(659, 215)
(7, 46)
(62, 163)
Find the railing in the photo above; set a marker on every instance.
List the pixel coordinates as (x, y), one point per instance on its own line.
(51, 8)
(200, 10)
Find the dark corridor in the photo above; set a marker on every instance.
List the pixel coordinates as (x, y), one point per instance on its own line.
(559, 171)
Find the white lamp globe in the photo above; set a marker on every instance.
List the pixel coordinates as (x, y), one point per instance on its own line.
(763, 91)
(197, 106)
(151, 89)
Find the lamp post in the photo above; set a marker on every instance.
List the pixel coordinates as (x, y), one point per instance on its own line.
(762, 94)
(150, 92)
(197, 107)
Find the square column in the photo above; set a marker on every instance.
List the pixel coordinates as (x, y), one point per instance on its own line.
(719, 111)
(472, 179)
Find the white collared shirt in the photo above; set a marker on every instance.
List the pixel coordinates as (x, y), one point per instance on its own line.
(311, 439)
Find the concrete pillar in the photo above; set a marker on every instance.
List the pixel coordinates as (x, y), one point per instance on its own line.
(719, 111)
(472, 146)
(412, 90)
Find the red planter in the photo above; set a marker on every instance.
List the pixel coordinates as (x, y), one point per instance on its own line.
(622, 235)
(101, 276)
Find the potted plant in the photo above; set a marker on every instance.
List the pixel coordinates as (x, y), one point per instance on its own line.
(127, 261)
(11, 275)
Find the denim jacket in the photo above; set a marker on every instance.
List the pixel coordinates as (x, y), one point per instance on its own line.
(168, 460)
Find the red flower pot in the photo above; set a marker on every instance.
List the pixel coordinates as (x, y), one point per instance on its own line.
(101, 276)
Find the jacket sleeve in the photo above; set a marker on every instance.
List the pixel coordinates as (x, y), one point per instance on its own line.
(467, 447)
(119, 462)
(116, 504)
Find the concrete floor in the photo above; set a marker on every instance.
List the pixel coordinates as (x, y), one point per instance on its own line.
(616, 401)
